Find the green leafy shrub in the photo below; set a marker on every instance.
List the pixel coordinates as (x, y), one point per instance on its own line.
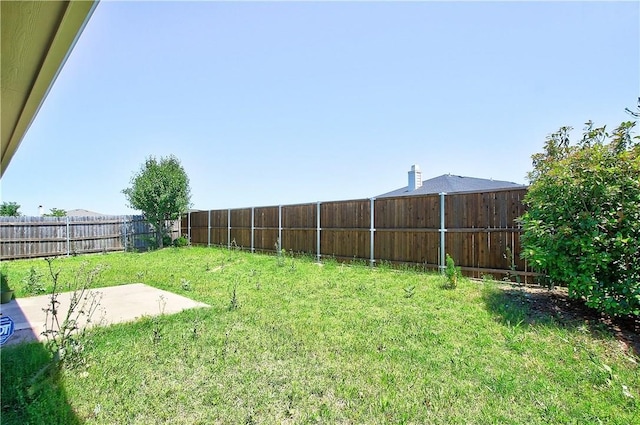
(161, 191)
(4, 280)
(451, 272)
(582, 227)
(181, 242)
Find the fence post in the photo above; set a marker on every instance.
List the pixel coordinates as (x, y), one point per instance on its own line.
(209, 229)
(189, 225)
(279, 247)
(372, 230)
(318, 230)
(124, 231)
(228, 228)
(68, 242)
(442, 232)
(253, 214)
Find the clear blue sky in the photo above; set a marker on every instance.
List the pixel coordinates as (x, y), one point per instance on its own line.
(273, 103)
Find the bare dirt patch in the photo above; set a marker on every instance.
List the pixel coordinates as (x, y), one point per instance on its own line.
(544, 302)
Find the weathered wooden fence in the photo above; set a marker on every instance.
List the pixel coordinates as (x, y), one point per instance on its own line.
(29, 237)
(478, 229)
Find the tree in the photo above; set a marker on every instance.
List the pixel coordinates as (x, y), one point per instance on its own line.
(582, 227)
(56, 212)
(9, 209)
(161, 191)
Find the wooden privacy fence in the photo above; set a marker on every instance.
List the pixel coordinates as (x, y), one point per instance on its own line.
(29, 237)
(478, 229)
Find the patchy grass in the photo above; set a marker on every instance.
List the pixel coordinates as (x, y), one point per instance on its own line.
(297, 342)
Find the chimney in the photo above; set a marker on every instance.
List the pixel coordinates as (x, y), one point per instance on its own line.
(415, 178)
(40, 210)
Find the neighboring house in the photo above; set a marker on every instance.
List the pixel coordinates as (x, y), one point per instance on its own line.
(446, 183)
(83, 213)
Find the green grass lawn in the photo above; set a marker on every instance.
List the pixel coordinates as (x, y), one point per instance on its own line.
(320, 343)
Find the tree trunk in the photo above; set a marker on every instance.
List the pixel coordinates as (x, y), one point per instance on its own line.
(159, 233)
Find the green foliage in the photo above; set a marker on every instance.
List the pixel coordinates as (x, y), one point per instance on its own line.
(65, 329)
(582, 227)
(233, 303)
(4, 280)
(161, 191)
(510, 256)
(452, 273)
(181, 242)
(56, 212)
(33, 283)
(9, 209)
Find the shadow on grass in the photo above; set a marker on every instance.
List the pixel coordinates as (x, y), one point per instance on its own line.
(27, 400)
(526, 306)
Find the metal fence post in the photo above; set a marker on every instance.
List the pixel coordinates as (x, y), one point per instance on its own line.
(372, 231)
(442, 232)
(253, 227)
(228, 228)
(68, 242)
(124, 231)
(279, 247)
(318, 230)
(189, 225)
(209, 229)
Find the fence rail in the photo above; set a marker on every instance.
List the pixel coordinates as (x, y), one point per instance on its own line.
(478, 229)
(29, 237)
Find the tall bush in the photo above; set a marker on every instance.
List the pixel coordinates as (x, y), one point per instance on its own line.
(161, 191)
(582, 227)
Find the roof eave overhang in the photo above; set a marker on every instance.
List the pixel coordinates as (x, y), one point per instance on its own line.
(64, 25)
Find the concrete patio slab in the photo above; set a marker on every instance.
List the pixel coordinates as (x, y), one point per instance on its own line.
(118, 304)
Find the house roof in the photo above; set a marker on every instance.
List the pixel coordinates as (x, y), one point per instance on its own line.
(451, 184)
(83, 213)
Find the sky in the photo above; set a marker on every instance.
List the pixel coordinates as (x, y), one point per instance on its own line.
(275, 103)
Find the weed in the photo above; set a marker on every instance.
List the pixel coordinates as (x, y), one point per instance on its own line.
(452, 273)
(486, 277)
(65, 331)
(280, 253)
(358, 262)
(195, 328)
(157, 320)
(329, 260)
(409, 291)
(33, 283)
(292, 265)
(384, 265)
(233, 303)
(185, 284)
(508, 255)
(233, 246)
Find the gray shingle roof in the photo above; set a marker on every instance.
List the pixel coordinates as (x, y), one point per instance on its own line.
(83, 213)
(451, 184)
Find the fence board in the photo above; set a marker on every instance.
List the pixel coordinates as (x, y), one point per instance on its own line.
(266, 239)
(299, 240)
(346, 214)
(301, 216)
(266, 217)
(345, 243)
